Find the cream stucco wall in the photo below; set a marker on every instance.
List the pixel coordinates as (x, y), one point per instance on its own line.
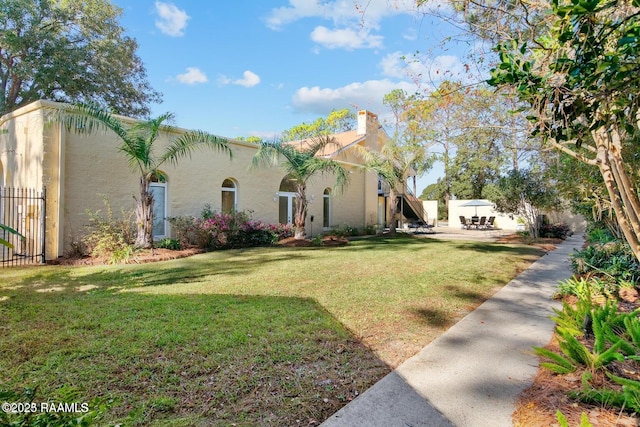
(26, 162)
(81, 171)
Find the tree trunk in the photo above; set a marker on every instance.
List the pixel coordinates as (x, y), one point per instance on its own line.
(300, 212)
(391, 211)
(144, 216)
(623, 198)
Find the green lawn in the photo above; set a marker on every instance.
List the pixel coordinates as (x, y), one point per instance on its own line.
(266, 336)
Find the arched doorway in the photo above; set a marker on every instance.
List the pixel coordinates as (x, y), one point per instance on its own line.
(286, 200)
(158, 187)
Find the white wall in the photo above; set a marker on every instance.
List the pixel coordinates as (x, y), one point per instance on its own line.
(502, 221)
(431, 209)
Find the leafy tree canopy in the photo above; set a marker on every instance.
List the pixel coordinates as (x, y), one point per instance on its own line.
(526, 193)
(337, 121)
(70, 51)
(581, 82)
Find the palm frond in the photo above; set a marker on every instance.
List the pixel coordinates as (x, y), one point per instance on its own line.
(188, 142)
(267, 155)
(4, 242)
(323, 166)
(319, 143)
(300, 163)
(85, 118)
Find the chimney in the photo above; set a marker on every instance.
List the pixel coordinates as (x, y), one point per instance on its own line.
(367, 123)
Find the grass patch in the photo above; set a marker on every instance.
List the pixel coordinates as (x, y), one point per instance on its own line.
(265, 336)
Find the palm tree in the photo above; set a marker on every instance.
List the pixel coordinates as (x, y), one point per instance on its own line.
(393, 165)
(301, 164)
(138, 148)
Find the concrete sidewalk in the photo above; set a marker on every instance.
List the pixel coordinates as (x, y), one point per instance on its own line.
(473, 373)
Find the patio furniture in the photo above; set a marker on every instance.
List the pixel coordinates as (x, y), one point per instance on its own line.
(421, 227)
(463, 222)
(489, 223)
(474, 221)
(482, 223)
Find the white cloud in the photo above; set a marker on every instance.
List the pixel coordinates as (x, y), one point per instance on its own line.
(172, 21)
(367, 95)
(354, 21)
(402, 71)
(345, 38)
(394, 65)
(249, 79)
(299, 9)
(366, 13)
(410, 34)
(192, 76)
(423, 69)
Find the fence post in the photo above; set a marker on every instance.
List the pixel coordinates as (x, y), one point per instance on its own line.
(43, 224)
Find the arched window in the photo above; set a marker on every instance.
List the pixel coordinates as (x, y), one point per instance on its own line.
(158, 187)
(229, 196)
(326, 208)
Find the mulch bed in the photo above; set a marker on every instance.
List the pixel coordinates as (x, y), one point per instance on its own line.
(549, 393)
(140, 257)
(146, 255)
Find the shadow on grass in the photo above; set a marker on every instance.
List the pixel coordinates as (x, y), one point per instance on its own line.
(501, 247)
(183, 270)
(441, 318)
(433, 317)
(411, 242)
(376, 242)
(207, 358)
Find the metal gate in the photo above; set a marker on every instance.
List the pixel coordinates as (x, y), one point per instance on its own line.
(24, 210)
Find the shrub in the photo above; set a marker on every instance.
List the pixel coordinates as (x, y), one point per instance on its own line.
(227, 230)
(599, 235)
(370, 229)
(586, 286)
(172, 244)
(555, 231)
(345, 231)
(317, 240)
(614, 259)
(109, 236)
(186, 230)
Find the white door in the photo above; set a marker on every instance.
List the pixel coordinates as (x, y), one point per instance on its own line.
(286, 205)
(159, 190)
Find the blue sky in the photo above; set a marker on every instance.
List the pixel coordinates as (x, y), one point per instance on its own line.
(255, 68)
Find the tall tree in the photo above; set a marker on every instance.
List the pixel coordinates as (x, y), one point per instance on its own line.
(393, 164)
(435, 118)
(526, 193)
(301, 163)
(70, 51)
(581, 81)
(409, 136)
(337, 121)
(140, 149)
(481, 143)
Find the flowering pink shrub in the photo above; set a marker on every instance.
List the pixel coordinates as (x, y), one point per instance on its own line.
(227, 230)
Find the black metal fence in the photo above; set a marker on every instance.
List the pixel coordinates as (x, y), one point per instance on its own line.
(24, 210)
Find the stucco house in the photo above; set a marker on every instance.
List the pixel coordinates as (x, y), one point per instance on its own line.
(80, 171)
